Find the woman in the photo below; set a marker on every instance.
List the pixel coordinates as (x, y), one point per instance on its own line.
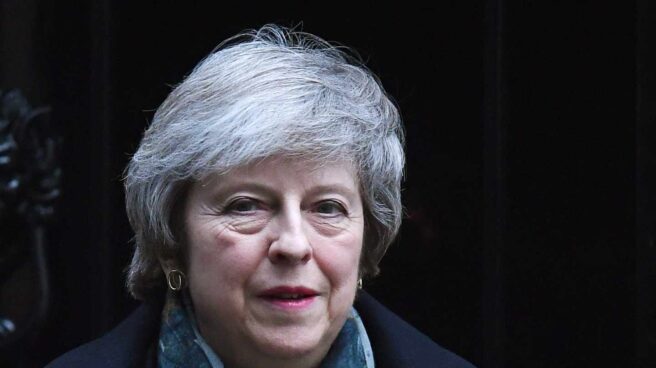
(265, 190)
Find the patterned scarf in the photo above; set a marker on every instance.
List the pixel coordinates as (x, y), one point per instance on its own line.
(181, 345)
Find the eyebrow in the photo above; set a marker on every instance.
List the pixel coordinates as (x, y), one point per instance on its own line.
(215, 190)
(336, 188)
(248, 186)
(271, 191)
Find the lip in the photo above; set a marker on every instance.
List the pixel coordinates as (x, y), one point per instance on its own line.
(289, 297)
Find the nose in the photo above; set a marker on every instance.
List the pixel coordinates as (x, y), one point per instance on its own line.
(290, 244)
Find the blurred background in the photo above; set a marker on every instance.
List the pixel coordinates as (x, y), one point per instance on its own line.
(531, 177)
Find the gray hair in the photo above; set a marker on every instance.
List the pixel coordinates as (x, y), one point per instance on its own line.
(272, 91)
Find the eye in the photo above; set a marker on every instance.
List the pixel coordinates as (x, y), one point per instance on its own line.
(242, 206)
(330, 208)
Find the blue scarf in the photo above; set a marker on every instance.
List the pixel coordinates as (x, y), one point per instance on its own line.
(181, 345)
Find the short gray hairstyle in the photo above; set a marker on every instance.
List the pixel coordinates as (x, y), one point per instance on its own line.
(271, 91)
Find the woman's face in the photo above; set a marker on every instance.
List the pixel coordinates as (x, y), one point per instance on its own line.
(274, 251)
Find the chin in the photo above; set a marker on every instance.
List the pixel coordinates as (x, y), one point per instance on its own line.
(290, 345)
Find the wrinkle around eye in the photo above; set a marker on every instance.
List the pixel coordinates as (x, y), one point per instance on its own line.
(223, 220)
(247, 224)
(332, 226)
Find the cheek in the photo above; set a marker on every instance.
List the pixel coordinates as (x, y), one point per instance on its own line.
(339, 259)
(220, 263)
(339, 263)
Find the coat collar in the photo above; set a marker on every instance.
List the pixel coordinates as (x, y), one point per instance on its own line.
(395, 343)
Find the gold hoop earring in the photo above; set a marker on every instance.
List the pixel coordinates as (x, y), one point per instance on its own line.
(359, 284)
(176, 279)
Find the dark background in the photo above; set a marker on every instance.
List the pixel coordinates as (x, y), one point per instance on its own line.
(530, 188)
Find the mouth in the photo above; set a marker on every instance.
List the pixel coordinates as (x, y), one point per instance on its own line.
(289, 297)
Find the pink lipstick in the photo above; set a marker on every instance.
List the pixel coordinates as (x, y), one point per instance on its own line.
(289, 297)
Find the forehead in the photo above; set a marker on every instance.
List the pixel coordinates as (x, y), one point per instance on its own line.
(289, 171)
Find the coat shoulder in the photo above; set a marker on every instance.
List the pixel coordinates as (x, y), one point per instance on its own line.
(397, 344)
(124, 346)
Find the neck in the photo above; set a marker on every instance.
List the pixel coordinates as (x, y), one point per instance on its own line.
(239, 355)
(269, 362)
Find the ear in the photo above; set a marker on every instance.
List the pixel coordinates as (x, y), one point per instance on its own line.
(168, 265)
(175, 277)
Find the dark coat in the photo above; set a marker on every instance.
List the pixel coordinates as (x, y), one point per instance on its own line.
(395, 343)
